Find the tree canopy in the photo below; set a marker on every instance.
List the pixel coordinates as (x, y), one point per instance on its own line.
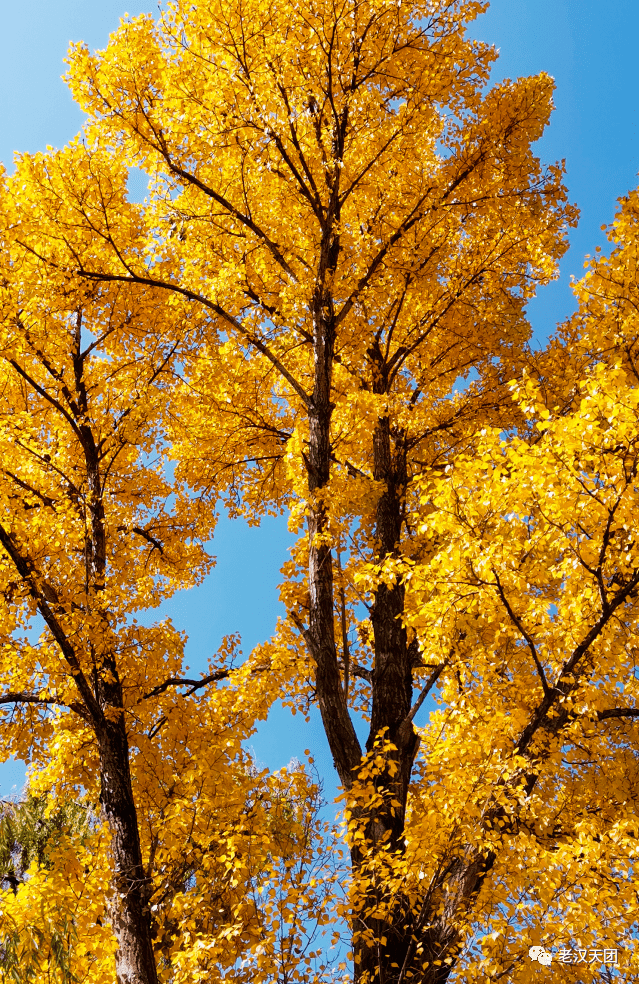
(320, 308)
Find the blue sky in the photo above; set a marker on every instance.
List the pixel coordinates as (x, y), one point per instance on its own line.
(589, 48)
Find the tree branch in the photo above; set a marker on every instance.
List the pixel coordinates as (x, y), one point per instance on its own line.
(294, 617)
(191, 295)
(185, 682)
(561, 688)
(14, 697)
(362, 672)
(430, 683)
(42, 599)
(618, 712)
(517, 621)
(235, 212)
(150, 539)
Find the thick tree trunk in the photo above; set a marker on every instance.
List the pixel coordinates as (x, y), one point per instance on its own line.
(382, 947)
(392, 672)
(129, 908)
(331, 697)
(409, 942)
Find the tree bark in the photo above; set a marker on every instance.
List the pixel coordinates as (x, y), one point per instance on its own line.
(336, 719)
(129, 907)
(381, 946)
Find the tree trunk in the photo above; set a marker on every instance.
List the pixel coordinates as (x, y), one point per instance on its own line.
(331, 696)
(129, 908)
(381, 946)
(402, 943)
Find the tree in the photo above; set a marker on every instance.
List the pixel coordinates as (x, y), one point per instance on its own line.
(531, 766)
(81, 386)
(363, 221)
(29, 832)
(358, 220)
(94, 529)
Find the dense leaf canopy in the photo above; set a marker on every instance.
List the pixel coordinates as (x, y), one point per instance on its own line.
(320, 307)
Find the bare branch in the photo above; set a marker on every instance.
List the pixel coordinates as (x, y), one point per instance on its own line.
(618, 712)
(150, 539)
(430, 683)
(186, 682)
(517, 621)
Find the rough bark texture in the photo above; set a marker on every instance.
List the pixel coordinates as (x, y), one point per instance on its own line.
(391, 701)
(336, 719)
(129, 909)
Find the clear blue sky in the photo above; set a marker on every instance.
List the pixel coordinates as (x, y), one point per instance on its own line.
(589, 47)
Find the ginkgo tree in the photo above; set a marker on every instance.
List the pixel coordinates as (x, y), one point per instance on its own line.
(357, 220)
(529, 773)
(95, 529)
(364, 221)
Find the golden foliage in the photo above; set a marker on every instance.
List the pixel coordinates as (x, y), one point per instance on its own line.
(320, 307)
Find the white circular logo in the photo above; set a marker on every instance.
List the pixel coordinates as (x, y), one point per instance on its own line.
(541, 954)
